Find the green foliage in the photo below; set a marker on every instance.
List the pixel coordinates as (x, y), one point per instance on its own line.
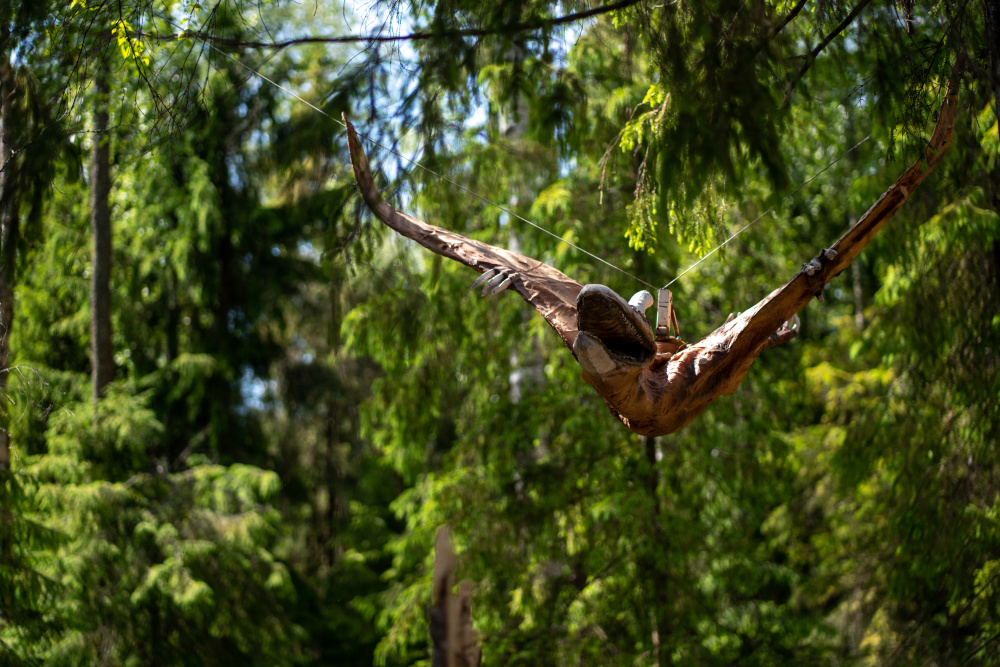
(160, 566)
(302, 399)
(27, 593)
(788, 516)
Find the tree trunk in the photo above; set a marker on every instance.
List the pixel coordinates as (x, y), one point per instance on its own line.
(859, 303)
(332, 482)
(100, 224)
(991, 10)
(656, 568)
(9, 231)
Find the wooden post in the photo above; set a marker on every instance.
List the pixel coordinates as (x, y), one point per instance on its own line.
(452, 636)
(668, 333)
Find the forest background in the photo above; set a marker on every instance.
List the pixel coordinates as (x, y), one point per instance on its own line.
(236, 409)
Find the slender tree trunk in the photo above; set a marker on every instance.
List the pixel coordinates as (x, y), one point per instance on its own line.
(859, 305)
(103, 370)
(991, 9)
(332, 479)
(657, 573)
(8, 233)
(9, 230)
(334, 473)
(156, 635)
(173, 317)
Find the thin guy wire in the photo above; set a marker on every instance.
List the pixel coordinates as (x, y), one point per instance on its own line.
(512, 213)
(429, 170)
(786, 197)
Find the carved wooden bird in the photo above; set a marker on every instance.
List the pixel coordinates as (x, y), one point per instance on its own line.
(655, 394)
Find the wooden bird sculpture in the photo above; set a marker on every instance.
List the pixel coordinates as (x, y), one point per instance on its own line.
(654, 393)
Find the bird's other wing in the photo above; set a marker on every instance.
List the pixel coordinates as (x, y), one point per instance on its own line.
(749, 333)
(547, 289)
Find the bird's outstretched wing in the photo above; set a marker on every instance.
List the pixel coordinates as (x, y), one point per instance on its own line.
(551, 292)
(751, 330)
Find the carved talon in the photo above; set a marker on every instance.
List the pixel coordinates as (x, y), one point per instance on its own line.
(812, 266)
(496, 285)
(485, 277)
(786, 332)
(495, 280)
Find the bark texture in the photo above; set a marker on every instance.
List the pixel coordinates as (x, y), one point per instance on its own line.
(9, 231)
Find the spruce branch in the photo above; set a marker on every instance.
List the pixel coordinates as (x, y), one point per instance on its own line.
(811, 56)
(792, 13)
(524, 26)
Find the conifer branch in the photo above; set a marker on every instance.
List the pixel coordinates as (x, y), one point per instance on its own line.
(792, 13)
(811, 56)
(776, 29)
(524, 26)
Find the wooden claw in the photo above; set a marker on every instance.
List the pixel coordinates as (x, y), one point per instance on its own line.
(499, 287)
(487, 275)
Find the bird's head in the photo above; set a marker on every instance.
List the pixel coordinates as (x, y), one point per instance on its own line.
(614, 336)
